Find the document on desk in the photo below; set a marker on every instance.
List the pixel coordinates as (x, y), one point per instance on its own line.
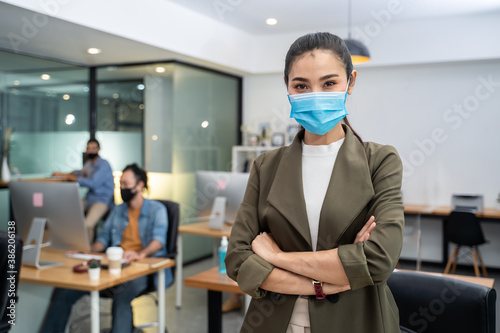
(83, 256)
(152, 262)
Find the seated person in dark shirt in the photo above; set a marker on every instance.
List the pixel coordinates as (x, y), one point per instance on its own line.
(139, 226)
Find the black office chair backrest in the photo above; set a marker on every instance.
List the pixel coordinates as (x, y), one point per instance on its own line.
(173, 225)
(463, 228)
(172, 231)
(429, 303)
(12, 247)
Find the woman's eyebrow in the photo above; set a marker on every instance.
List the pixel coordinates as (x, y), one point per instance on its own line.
(325, 77)
(329, 76)
(301, 79)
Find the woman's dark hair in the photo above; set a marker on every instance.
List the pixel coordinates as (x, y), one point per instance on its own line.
(320, 41)
(140, 174)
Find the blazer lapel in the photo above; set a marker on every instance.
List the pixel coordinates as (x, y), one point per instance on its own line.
(286, 194)
(349, 191)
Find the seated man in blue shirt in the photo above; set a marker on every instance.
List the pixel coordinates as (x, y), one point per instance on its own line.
(97, 176)
(140, 227)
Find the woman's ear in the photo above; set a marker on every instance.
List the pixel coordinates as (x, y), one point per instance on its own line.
(354, 74)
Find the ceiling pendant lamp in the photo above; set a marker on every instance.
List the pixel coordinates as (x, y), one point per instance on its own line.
(359, 52)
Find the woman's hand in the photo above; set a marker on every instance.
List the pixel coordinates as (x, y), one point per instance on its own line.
(364, 234)
(265, 247)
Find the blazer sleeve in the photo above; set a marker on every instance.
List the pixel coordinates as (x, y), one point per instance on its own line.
(372, 262)
(242, 264)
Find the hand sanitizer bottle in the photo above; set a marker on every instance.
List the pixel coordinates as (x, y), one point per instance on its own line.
(222, 255)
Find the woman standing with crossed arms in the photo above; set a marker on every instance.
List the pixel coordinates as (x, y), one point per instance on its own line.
(304, 244)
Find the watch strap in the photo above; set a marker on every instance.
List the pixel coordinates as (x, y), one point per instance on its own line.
(318, 288)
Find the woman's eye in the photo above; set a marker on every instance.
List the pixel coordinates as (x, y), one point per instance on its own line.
(329, 83)
(300, 86)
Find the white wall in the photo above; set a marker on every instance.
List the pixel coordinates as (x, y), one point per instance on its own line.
(403, 106)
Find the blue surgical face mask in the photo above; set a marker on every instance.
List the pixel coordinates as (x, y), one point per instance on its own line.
(319, 112)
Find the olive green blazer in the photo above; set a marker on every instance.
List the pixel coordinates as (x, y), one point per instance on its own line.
(366, 180)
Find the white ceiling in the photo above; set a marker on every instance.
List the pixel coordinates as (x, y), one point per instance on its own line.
(68, 41)
(301, 15)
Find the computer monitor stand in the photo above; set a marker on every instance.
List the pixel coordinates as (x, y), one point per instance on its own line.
(33, 247)
(218, 213)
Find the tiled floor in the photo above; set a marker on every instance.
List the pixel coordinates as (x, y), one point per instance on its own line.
(192, 317)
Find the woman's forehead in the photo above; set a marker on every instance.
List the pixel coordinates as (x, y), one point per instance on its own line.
(315, 60)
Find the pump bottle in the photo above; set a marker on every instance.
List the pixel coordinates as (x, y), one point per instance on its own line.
(222, 255)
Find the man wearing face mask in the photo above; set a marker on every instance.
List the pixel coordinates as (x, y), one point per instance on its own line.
(139, 226)
(97, 176)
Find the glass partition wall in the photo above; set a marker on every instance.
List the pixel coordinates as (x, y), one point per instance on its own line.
(44, 106)
(169, 117)
(178, 118)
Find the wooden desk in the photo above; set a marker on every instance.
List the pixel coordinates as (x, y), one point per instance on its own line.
(47, 180)
(198, 229)
(414, 209)
(64, 277)
(486, 213)
(441, 211)
(215, 283)
(487, 282)
(213, 280)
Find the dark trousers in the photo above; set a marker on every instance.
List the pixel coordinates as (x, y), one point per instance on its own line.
(59, 310)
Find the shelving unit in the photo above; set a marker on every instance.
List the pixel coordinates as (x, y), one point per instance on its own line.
(243, 154)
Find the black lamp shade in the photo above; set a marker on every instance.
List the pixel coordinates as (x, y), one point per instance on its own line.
(359, 52)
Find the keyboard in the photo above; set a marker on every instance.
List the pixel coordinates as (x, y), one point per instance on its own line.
(83, 256)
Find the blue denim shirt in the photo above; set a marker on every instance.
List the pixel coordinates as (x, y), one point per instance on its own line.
(153, 225)
(98, 177)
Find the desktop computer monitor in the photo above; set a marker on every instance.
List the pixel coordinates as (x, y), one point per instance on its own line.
(59, 203)
(213, 184)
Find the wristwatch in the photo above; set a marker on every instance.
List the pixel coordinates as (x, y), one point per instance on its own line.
(318, 288)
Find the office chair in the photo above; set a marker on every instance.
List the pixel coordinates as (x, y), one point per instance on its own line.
(463, 229)
(7, 293)
(429, 303)
(173, 226)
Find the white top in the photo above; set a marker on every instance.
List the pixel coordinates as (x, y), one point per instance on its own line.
(317, 167)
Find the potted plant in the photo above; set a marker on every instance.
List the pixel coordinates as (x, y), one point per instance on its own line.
(94, 269)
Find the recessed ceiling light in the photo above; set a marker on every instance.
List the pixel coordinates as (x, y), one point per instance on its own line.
(271, 21)
(205, 124)
(160, 69)
(140, 87)
(70, 119)
(17, 82)
(154, 137)
(116, 95)
(45, 77)
(66, 97)
(93, 50)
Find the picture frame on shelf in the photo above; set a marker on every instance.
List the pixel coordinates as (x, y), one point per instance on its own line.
(278, 139)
